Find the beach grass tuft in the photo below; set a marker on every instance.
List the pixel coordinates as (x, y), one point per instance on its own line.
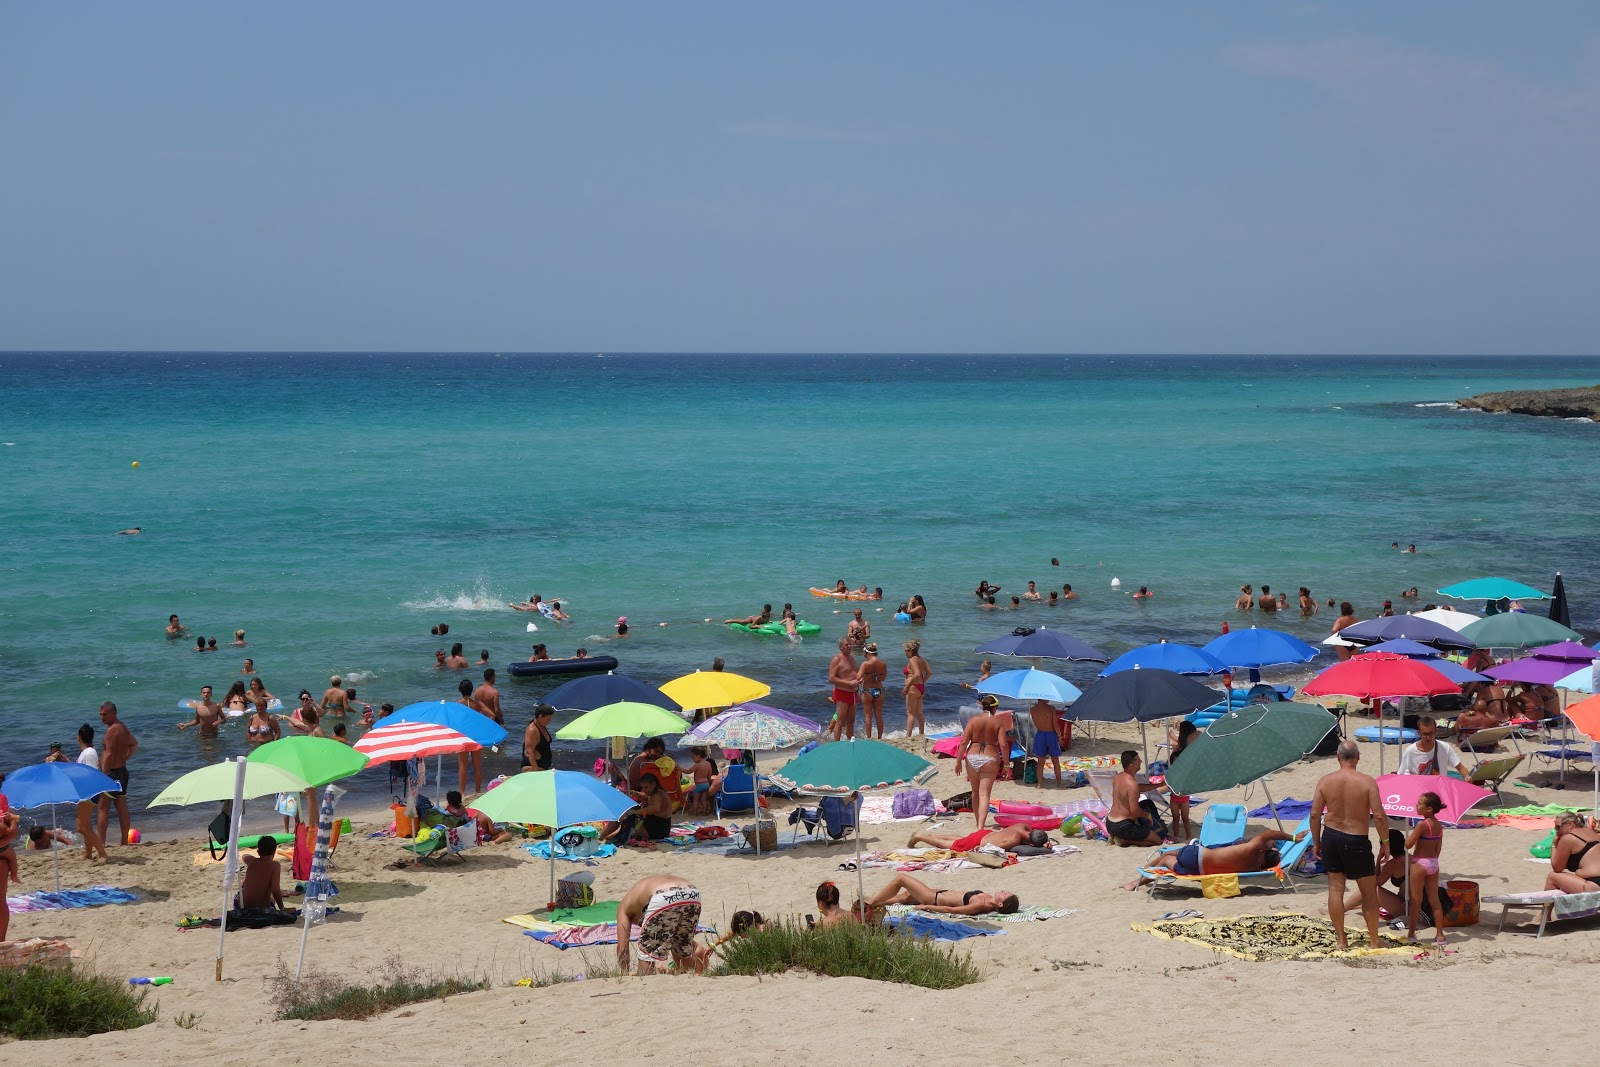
(319, 996)
(46, 1002)
(848, 950)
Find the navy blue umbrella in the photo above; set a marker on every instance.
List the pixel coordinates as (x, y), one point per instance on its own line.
(1558, 603)
(1142, 694)
(598, 690)
(1168, 656)
(1404, 628)
(1042, 643)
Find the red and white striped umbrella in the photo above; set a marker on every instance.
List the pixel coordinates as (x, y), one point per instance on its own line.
(412, 740)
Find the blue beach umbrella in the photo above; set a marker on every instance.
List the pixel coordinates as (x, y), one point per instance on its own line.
(1256, 648)
(598, 690)
(1043, 643)
(1167, 656)
(1405, 628)
(1492, 589)
(1030, 684)
(452, 715)
(39, 784)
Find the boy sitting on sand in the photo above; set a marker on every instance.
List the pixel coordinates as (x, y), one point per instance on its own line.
(262, 875)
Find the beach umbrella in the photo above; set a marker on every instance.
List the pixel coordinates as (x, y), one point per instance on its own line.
(1516, 629)
(554, 799)
(1246, 744)
(1579, 681)
(318, 890)
(714, 689)
(1030, 684)
(624, 718)
(1043, 643)
(1532, 670)
(1376, 675)
(752, 727)
(1167, 656)
(1432, 657)
(452, 715)
(1256, 648)
(1399, 793)
(1571, 651)
(1456, 620)
(598, 690)
(1558, 602)
(1405, 628)
(215, 783)
(856, 765)
(40, 784)
(1492, 589)
(315, 760)
(1585, 715)
(1143, 694)
(413, 740)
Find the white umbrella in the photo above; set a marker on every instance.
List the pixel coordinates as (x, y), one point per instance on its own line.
(1456, 620)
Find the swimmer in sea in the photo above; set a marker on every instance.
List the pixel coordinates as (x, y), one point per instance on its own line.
(540, 654)
(877, 593)
(557, 614)
(176, 628)
(582, 653)
(454, 662)
(531, 604)
(200, 644)
(238, 639)
(1032, 593)
(249, 667)
(622, 626)
(1016, 602)
(1308, 603)
(132, 531)
(438, 660)
(1067, 593)
(839, 588)
(761, 619)
(1144, 593)
(1055, 598)
(918, 610)
(483, 657)
(207, 714)
(790, 623)
(984, 670)
(1246, 601)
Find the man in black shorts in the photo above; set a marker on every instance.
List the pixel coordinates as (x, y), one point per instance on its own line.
(1339, 837)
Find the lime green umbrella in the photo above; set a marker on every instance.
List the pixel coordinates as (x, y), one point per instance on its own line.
(315, 760)
(1517, 629)
(1247, 744)
(216, 783)
(554, 799)
(626, 718)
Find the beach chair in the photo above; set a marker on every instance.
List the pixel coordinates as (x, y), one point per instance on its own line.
(440, 841)
(1224, 824)
(738, 792)
(1492, 773)
(1478, 742)
(1551, 904)
(1289, 857)
(833, 816)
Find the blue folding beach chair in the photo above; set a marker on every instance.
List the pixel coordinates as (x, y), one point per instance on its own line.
(1224, 824)
(738, 792)
(1290, 853)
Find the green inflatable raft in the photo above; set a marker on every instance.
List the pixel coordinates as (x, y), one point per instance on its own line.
(771, 629)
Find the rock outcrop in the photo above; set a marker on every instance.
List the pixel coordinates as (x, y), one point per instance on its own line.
(1557, 403)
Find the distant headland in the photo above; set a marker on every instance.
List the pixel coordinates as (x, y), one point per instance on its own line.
(1559, 403)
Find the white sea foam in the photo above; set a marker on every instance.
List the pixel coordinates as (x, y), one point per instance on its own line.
(478, 598)
(358, 677)
(1438, 404)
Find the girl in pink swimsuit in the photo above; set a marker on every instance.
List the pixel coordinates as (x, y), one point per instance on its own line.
(1425, 842)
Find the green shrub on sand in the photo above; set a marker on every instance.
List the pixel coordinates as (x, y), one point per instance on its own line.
(848, 949)
(40, 1002)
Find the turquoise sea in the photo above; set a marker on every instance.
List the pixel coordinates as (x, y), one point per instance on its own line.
(337, 506)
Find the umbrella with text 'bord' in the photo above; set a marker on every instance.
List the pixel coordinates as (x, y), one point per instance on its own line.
(1143, 695)
(714, 689)
(1516, 629)
(1167, 656)
(554, 799)
(1377, 675)
(1256, 648)
(1492, 589)
(598, 690)
(1031, 684)
(315, 760)
(452, 715)
(1399, 793)
(1248, 743)
(1404, 628)
(41, 784)
(1043, 643)
(840, 768)
(1432, 657)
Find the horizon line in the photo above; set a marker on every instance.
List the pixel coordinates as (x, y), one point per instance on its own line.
(721, 353)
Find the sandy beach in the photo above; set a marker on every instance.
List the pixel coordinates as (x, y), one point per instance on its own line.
(1078, 981)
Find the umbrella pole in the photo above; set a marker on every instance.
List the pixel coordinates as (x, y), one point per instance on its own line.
(861, 882)
(55, 846)
(1272, 804)
(231, 865)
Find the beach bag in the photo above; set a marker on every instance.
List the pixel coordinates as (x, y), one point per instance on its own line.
(1460, 900)
(959, 802)
(910, 803)
(575, 890)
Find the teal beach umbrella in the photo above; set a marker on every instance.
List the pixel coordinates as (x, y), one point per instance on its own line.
(1517, 629)
(1493, 589)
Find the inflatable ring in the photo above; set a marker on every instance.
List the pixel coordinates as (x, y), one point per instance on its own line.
(1011, 807)
(1036, 823)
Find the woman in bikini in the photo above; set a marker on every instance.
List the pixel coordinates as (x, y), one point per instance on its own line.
(917, 672)
(236, 703)
(980, 752)
(1574, 861)
(1425, 841)
(873, 673)
(904, 889)
(258, 694)
(262, 727)
(918, 610)
(828, 910)
(1247, 599)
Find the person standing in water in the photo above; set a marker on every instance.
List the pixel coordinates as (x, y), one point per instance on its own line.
(120, 745)
(873, 673)
(845, 678)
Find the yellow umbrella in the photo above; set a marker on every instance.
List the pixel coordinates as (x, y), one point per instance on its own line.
(714, 689)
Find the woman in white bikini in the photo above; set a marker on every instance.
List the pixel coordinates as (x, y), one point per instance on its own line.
(980, 752)
(873, 672)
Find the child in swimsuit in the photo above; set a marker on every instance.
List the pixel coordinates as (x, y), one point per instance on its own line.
(9, 825)
(1425, 842)
(705, 781)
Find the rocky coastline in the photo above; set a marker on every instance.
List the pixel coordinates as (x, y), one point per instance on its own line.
(1555, 403)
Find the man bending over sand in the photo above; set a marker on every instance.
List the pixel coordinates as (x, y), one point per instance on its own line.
(1340, 839)
(666, 909)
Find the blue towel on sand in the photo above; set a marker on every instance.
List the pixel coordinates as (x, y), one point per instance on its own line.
(920, 925)
(1289, 809)
(542, 850)
(49, 900)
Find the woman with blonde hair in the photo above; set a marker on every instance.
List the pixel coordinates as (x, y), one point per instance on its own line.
(917, 672)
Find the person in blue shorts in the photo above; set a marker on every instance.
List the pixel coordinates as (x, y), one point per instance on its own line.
(1046, 738)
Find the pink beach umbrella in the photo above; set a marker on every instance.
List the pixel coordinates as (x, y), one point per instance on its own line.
(1399, 793)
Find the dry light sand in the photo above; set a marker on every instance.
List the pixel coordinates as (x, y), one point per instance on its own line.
(1082, 988)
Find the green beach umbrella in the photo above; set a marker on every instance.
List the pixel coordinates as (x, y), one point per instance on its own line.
(1246, 744)
(626, 718)
(1517, 629)
(315, 760)
(554, 799)
(842, 767)
(214, 784)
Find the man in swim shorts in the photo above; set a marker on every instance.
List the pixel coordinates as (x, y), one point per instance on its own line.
(845, 677)
(1241, 857)
(666, 909)
(1340, 839)
(119, 745)
(1046, 738)
(1133, 819)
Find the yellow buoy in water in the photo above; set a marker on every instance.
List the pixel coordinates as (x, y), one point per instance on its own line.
(135, 464)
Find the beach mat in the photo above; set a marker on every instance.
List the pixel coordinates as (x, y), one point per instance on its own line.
(1273, 937)
(586, 936)
(921, 924)
(1027, 913)
(596, 914)
(93, 897)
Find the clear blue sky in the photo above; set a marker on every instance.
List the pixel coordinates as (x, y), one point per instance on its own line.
(1053, 177)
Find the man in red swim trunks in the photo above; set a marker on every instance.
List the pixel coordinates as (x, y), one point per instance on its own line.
(845, 677)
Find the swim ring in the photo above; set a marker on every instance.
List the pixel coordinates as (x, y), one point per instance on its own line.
(1051, 822)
